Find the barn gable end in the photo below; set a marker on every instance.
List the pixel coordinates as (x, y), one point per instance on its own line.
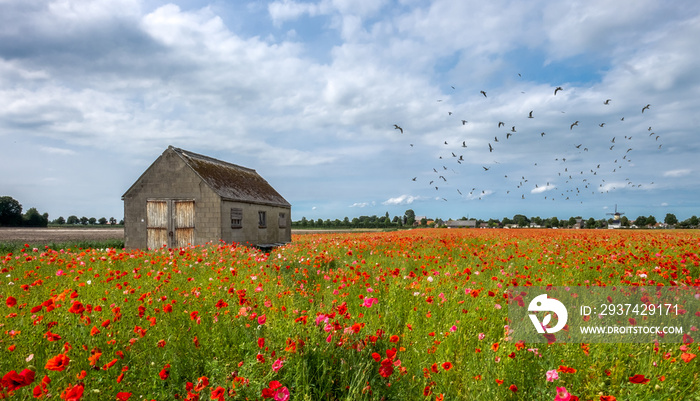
(183, 193)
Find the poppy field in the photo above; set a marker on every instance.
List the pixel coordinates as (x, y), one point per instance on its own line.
(407, 315)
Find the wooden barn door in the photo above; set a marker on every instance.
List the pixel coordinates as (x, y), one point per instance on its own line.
(157, 223)
(183, 222)
(170, 223)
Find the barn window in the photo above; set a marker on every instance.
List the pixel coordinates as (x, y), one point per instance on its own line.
(236, 217)
(282, 220)
(262, 220)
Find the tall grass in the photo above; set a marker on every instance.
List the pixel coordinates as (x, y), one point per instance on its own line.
(373, 316)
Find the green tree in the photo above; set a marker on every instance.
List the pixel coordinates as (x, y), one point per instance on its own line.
(73, 220)
(102, 221)
(10, 211)
(554, 221)
(651, 220)
(60, 220)
(521, 220)
(84, 220)
(670, 219)
(640, 221)
(693, 221)
(624, 221)
(92, 221)
(410, 216)
(34, 219)
(590, 223)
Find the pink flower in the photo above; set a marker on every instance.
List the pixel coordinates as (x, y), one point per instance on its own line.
(562, 394)
(482, 336)
(552, 375)
(321, 319)
(262, 319)
(453, 329)
(277, 365)
(282, 394)
(369, 302)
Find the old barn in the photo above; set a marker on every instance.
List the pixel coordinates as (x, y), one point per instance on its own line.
(185, 198)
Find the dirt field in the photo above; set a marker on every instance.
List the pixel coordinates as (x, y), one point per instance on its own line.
(57, 235)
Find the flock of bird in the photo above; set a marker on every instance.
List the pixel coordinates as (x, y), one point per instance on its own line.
(572, 171)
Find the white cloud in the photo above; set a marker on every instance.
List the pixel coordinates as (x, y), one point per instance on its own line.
(57, 151)
(677, 173)
(363, 204)
(402, 200)
(539, 189)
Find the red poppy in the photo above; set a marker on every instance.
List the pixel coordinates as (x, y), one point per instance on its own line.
(608, 398)
(10, 302)
(376, 357)
(513, 388)
(73, 393)
(123, 396)
(13, 380)
(218, 393)
(76, 308)
(639, 379)
(57, 363)
(202, 383)
(394, 338)
(447, 365)
(566, 369)
(261, 342)
(165, 372)
(687, 357)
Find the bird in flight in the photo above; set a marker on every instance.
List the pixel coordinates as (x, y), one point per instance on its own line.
(542, 134)
(483, 93)
(601, 125)
(646, 107)
(398, 128)
(490, 148)
(486, 168)
(559, 88)
(464, 122)
(574, 124)
(464, 144)
(530, 116)
(607, 101)
(500, 124)
(508, 135)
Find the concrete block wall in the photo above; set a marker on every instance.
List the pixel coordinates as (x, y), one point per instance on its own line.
(170, 178)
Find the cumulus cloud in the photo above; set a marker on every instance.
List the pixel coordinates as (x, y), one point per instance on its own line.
(539, 189)
(363, 204)
(402, 200)
(57, 151)
(677, 173)
(311, 90)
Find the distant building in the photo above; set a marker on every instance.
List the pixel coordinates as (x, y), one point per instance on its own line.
(460, 223)
(185, 198)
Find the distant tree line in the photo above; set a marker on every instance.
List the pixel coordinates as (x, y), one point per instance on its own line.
(11, 216)
(519, 220)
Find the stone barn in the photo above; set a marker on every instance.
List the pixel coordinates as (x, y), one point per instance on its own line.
(185, 198)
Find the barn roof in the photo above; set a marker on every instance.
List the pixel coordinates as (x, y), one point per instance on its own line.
(230, 181)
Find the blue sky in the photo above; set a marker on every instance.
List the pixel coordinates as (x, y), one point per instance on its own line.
(308, 92)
